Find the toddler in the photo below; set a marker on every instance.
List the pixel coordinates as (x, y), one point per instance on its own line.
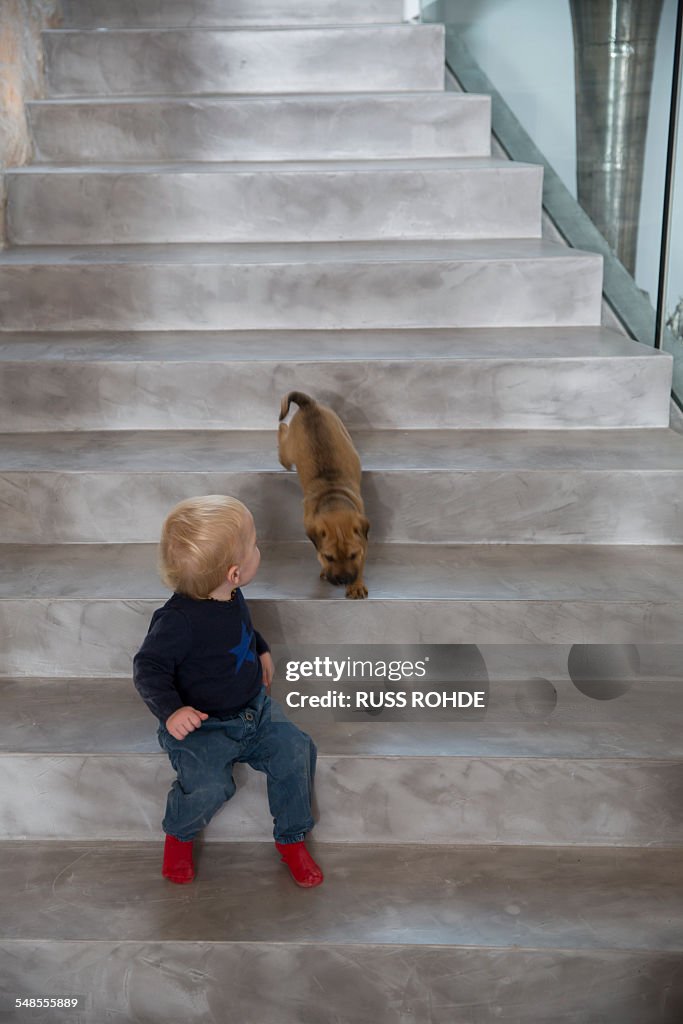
(205, 673)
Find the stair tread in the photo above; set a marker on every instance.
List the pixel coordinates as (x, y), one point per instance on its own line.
(426, 163)
(409, 894)
(312, 346)
(55, 715)
(78, 13)
(401, 26)
(650, 449)
(242, 27)
(333, 98)
(100, 12)
(618, 574)
(399, 250)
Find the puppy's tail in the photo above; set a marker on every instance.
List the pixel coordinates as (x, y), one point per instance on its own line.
(299, 397)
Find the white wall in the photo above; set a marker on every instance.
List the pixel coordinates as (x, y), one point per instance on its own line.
(526, 48)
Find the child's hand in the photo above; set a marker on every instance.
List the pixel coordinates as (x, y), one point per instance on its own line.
(268, 668)
(184, 721)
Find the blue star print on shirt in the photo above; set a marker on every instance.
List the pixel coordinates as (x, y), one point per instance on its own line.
(242, 652)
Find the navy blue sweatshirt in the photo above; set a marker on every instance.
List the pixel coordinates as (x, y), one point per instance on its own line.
(199, 653)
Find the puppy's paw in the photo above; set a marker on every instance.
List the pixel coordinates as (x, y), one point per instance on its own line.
(357, 591)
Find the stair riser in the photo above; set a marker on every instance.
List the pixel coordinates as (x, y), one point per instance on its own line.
(291, 128)
(645, 721)
(217, 13)
(361, 981)
(438, 293)
(431, 800)
(98, 208)
(472, 394)
(399, 58)
(535, 507)
(90, 636)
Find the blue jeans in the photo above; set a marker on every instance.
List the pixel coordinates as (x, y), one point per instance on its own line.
(259, 735)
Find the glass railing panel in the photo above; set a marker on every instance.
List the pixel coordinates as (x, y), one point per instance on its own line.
(670, 304)
(585, 87)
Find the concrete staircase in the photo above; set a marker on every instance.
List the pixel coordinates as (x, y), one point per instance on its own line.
(231, 198)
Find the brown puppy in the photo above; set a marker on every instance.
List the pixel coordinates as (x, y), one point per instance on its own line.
(318, 443)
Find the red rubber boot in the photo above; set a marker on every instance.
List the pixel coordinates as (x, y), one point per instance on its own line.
(303, 868)
(178, 866)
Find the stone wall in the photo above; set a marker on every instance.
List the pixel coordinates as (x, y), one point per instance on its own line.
(21, 77)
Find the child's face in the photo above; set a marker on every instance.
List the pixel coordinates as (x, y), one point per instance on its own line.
(251, 558)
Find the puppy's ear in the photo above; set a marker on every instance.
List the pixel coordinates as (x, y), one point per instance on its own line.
(364, 525)
(313, 536)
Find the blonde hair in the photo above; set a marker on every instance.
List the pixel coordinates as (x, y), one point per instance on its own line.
(200, 539)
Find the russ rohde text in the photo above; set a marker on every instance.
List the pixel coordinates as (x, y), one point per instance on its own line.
(387, 699)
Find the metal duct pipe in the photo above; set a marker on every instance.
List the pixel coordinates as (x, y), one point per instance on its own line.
(614, 49)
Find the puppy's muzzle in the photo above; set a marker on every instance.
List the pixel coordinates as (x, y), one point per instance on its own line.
(343, 579)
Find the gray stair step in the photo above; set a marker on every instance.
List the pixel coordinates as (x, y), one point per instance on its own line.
(307, 201)
(527, 486)
(364, 798)
(148, 62)
(344, 126)
(143, 453)
(54, 715)
(83, 610)
(418, 896)
(534, 378)
(220, 13)
(384, 979)
(500, 931)
(305, 285)
(136, 977)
